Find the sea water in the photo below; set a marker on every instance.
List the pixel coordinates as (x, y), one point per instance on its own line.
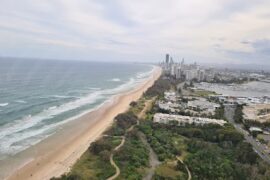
(38, 96)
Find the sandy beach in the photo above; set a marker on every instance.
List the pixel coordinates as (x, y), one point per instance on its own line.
(56, 155)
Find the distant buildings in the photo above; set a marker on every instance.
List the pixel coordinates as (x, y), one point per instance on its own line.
(185, 71)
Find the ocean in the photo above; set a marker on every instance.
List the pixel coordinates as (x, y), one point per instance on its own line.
(38, 96)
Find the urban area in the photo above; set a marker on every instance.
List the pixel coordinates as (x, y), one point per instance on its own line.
(250, 115)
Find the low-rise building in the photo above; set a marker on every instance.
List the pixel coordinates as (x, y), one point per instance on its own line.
(204, 105)
(170, 96)
(183, 120)
(168, 106)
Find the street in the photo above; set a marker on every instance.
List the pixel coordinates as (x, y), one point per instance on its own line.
(257, 146)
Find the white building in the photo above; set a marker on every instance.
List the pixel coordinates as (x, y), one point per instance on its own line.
(191, 74)
(183, 120)
(204, 105)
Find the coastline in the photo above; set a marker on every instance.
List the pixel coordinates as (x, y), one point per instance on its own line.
(56, 155)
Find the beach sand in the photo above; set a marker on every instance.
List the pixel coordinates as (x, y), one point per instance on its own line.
(56, 155)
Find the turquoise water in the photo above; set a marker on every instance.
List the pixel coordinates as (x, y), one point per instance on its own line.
(37, 96)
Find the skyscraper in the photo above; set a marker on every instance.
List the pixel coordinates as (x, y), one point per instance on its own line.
(167, 58)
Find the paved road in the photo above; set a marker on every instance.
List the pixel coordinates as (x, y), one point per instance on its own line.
(258, 147)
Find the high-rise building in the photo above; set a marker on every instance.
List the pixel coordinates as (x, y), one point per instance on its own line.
(188, 71)
(167, 66)
(167, 58)
(178, 72)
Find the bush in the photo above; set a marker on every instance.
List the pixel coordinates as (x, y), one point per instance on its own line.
(100, 145)
(125, 120)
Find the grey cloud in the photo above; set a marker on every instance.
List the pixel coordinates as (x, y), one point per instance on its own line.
(245, 42)
(262, 46)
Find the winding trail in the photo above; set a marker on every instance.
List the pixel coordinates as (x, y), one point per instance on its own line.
(117, 169)
(188, 171)
(117, 173)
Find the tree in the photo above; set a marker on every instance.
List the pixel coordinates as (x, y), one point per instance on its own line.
(238, 114)
(133, 104)
(99, 146)
(125, 120)
(245, 154)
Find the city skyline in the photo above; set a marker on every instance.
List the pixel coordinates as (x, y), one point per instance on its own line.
(229, 32)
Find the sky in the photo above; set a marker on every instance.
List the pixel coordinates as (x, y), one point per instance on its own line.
(205, 31)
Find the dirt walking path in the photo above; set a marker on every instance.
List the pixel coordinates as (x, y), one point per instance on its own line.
(188, 171)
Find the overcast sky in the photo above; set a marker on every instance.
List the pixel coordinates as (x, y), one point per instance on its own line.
(209, 31)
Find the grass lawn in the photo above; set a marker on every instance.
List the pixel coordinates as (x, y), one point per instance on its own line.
(168, 170)
(180, 144)
(203, 93)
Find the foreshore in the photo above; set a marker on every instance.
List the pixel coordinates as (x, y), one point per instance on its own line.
(56, 155)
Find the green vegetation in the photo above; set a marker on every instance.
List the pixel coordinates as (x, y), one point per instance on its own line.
(94, 163)
(122, 123)
(159, 87)
(209, 152)
(163, 142)
(137, 107)
(203, 93)
(238, 114)
(170, 170)
(249, 123)
(219, 113)
(133, 157)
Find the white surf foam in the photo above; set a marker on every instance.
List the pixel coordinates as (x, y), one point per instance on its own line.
(3, 104)
(115, 80)
(61, 96)
(19, 135)
(21, 101)
(30, 121)
(145, 74)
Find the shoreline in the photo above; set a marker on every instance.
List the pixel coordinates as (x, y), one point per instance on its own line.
(55, 155)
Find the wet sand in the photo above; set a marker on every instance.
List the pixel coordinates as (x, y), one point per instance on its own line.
(56, 155)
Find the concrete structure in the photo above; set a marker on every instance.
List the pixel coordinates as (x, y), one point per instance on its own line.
(170, 96)
(203, 105)
(183, 120)
(191, 74)
(169, 106)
